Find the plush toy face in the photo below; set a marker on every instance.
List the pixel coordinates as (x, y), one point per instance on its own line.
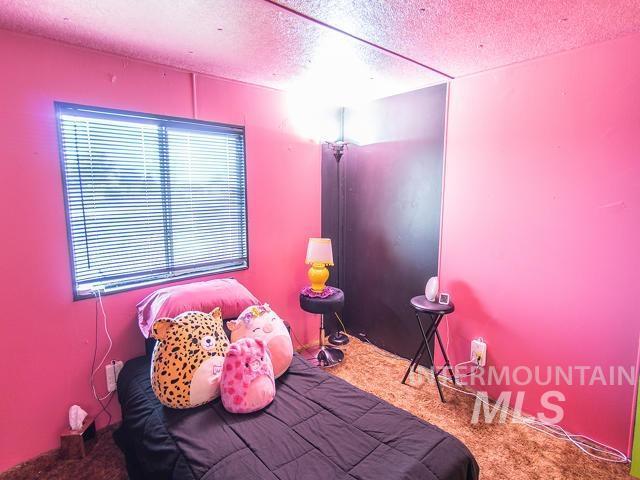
(187, 359)
(247, 383)
(260, 322)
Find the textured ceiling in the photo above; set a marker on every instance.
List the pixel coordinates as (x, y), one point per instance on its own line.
(257, 42)
(461, 37)
(248, 40)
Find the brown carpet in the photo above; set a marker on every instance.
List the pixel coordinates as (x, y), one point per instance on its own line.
(504, 451)
(103, 462)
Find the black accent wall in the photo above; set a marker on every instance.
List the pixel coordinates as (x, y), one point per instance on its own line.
(391, 202)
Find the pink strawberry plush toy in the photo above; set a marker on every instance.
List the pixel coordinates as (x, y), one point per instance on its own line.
(247, 383)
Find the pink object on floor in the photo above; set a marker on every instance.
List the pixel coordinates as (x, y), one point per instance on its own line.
(247, 383)
(227, 293)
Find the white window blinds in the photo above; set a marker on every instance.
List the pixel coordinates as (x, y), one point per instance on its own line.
(150, 198)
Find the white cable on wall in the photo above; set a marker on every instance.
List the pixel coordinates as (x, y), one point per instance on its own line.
(104, 358)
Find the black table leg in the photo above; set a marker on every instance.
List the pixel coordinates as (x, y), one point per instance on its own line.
(435, 375)
(428, 335)
(433, 330)
(424, 334)
(436, 313)
(413, 360)
(446, 358)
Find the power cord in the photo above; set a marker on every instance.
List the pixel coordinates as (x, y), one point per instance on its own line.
(553, 430)
(556, 431)
(587, 445)
(341, 324)
(300, 344)
(95, 369)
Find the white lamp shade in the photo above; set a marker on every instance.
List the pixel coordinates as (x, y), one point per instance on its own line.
(319, 251)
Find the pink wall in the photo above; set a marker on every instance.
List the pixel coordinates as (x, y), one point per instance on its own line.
(47, 340)
(541, 224)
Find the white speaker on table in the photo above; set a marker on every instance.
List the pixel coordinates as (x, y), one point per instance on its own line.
(431, 290)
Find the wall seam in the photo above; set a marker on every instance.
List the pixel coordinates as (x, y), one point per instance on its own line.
(444, 170)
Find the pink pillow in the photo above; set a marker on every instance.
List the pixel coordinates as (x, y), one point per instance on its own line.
(227, 293)
(246, 383)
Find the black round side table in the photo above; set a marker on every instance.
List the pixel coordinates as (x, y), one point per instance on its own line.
(436, 312)
(325, 356)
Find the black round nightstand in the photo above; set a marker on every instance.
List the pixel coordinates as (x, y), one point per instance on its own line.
(436, 312)
(325, 356)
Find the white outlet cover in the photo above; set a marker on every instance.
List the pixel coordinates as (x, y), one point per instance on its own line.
(479, 350)
(112, 370)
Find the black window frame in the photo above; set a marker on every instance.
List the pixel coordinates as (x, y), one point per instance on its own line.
(161, 120)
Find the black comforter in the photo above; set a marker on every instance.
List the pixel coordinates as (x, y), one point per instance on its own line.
(318, 427)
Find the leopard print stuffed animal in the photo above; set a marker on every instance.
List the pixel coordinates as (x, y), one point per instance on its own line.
(187, 359)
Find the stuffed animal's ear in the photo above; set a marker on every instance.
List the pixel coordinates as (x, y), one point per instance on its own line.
(161, 328)
(216, 313)
(233, 350)
(233, 324)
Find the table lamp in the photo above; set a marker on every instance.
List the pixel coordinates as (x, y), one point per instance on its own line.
(319, 255)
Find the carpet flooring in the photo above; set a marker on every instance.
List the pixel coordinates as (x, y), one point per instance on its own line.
(503, 451)
(103, 462)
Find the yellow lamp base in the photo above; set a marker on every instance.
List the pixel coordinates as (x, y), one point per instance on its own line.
(318, 275)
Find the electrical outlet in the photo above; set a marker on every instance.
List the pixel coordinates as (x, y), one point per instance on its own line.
(112, 370)
(479, 352)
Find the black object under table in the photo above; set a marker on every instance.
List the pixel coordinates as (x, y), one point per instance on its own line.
(436, 313)
(325, 356)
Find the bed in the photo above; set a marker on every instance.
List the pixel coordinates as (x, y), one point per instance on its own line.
(318, 426)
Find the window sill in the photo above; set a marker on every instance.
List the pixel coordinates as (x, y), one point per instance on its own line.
(77, 296)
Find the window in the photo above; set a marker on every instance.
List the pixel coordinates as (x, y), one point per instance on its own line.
(150, 199)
